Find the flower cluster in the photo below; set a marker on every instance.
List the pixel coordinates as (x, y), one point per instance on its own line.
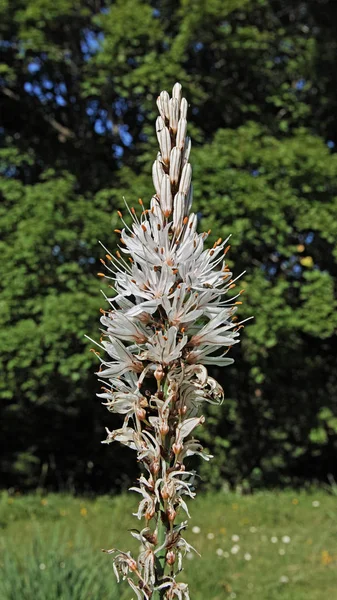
(168, 318)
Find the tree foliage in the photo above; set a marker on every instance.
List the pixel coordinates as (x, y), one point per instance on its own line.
(79, 82)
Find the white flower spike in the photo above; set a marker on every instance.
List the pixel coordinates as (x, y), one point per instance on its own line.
(168, 319)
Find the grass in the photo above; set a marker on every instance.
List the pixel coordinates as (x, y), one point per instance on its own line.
(269, 546)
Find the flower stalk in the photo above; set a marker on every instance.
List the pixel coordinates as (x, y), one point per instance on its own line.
(168, 318)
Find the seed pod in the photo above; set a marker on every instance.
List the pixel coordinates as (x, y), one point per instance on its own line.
(175, 162)
(176, 92)
(174, 114)
(170, 557)
(157, 175)
(171, 513)
(181, 133)
(186, 177)
(183, 108)
(164, 139)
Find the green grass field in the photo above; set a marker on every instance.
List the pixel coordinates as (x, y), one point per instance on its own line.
(269, 546)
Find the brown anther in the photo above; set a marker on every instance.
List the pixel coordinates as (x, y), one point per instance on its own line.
(144, 227)
(130, 259)
(108, 256)
(185, 220)
(183, 329)
(119, 214)
(211, 252)
(232, 286)
(140, 201)
(122, 242)
(158, 226)
(238, 302)
(242, 291)
(118, 254)
(102, 261)
(133, 210)
(226, 250)
(100, 274)
(133, 281)
(117, 231)
(209, 232)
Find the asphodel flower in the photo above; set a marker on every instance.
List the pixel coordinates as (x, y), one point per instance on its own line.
(169, 316)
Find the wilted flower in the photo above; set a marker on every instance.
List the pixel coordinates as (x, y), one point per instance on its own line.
(168, 318)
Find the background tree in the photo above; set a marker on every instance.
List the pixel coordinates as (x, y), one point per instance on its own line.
(78, 84)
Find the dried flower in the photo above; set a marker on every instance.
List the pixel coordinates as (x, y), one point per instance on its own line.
(168, 318)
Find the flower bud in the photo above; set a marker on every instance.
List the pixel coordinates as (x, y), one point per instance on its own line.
(163, 104)
(181, 134)
(159, 373)
(175, 160)
(166, 196)
(176, 92)
(164, 140)
(185, 180)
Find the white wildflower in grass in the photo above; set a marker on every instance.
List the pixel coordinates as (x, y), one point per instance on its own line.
(274, 539)
(235, 538)
(235, 549)
(196, 529)
(247, 556)
(286, 539)
(210, 536)
(168, 316)
(316, 503)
